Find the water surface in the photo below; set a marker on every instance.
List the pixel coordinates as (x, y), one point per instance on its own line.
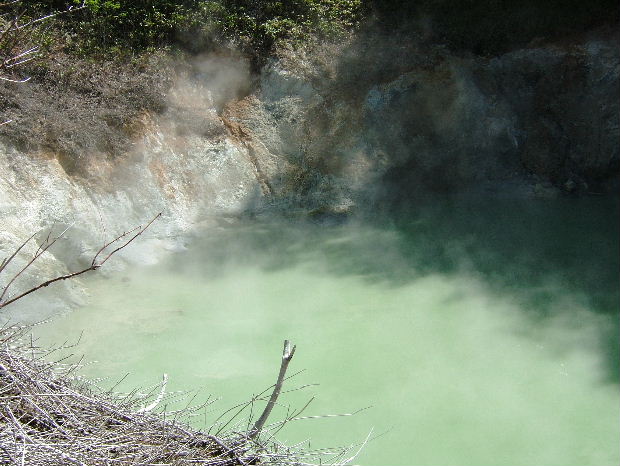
(481, 333)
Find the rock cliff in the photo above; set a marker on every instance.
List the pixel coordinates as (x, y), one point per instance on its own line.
(350, 127)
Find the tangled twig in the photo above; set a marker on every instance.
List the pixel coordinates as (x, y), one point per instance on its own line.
(49, 416)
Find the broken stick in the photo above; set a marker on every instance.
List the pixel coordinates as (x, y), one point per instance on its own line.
(287, 355)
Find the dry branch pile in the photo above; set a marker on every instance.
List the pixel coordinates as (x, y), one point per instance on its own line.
(49, 416)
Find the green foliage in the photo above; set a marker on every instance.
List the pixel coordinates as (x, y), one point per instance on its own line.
(262, 24)
(254, 26)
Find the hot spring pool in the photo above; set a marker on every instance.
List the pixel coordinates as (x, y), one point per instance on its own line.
(480, 333)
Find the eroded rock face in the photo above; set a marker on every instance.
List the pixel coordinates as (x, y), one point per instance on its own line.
(440, 132)
(566, 105)
(535, 117)
(551, 113)
(181, 161)
(359, 133)
(192, 180)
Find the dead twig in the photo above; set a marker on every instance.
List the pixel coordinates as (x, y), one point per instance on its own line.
(17, 38)
(48, 416)
(120, 242)
(287, 355)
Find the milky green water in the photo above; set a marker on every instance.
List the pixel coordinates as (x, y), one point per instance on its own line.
(480, 333)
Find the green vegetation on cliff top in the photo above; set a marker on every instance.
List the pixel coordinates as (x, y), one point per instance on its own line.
(117, 26)
(255, 27)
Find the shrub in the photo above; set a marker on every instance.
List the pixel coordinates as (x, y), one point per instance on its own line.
(255, 27)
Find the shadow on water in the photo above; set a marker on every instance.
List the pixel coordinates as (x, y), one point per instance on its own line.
(534, 250)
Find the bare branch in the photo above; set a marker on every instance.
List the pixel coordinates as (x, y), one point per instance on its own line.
(7, 261)
(287, 355)
(50, 416)
(16, 46)
(42, 249)
(17, 81)
(140, 231)
(49, 242)
(155, 403)
(26, 52)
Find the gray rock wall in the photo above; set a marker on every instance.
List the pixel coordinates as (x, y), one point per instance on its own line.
(325, 139)
(537, 121)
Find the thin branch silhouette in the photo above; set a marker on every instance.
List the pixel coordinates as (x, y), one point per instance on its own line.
(101, 257)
